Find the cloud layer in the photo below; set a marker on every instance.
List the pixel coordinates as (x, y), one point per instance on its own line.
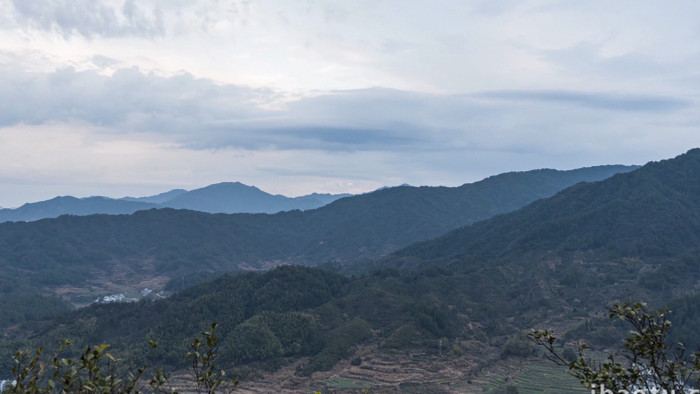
(298, 97)
(89, 17)
(201, 114)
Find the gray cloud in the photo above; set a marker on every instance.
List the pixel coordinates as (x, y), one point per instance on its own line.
(604, 101)
(563, 84)
(202, 115)
(90, 17)
(334, 138)
(127, 97)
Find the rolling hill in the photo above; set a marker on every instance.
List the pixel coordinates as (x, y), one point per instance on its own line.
(652, 212)
(635, 233)
(108, 252)
(472, 290)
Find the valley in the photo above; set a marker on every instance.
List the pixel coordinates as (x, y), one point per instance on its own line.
(446, 314)
(118, 252)
(348, 197)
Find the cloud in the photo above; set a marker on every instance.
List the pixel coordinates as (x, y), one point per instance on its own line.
(104, 61)
(335, 138)
(91, 17)
(202, 114)
(126, 98)
(603, 101)
(199, 114)
(89, 131)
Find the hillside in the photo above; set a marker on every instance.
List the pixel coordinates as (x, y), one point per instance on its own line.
(653, 212)
(473, 290)
(303, 325)
(146, 249)
(634, 233)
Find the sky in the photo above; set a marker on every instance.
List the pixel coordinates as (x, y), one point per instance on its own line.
(125, 97)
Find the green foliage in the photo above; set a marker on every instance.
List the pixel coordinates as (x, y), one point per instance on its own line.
(600, 332)
(615, 226)
(69, 250)
(648, 361)
(251, 343)
(268, 318)
(202, 357)
(686, 320)
(96, 371)
(517, 347)
(338, 345)
(297, 333)
(404, 337)
(434, 319)
(20, 307)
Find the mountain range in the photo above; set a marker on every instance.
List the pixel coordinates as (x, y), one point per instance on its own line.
(652, 212)
(473, 290)
(226, 197)
(71, 253)
(633, 234)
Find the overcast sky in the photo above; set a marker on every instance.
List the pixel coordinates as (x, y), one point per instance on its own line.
(115, 97)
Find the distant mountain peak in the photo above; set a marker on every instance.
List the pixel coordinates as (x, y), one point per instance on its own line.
(223, 197)
(226, 197)
(228, 185)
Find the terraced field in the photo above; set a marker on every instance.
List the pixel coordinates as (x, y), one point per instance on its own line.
(531, 377)
(551, 378)
(402, 373)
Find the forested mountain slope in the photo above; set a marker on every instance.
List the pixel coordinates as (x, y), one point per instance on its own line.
(304, 319)
(473, 290)
(634, 233)
(653, 212)
(168, 243)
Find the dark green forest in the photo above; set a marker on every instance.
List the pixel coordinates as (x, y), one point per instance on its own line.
(264, 319)
(555, 261)
(77, 251)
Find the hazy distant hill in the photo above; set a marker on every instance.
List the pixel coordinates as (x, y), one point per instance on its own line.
(178, 243)
(554, 262)
(229, 197)
(235, 197)
(70, 205)
(158, 198)
(557, 260)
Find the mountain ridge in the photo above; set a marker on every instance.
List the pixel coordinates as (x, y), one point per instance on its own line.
(158, 198)
(553, 262)
(640, 191)
(224, 197)
(168, 243)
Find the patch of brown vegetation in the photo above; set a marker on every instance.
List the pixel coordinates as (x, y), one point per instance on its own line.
(379, 372)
